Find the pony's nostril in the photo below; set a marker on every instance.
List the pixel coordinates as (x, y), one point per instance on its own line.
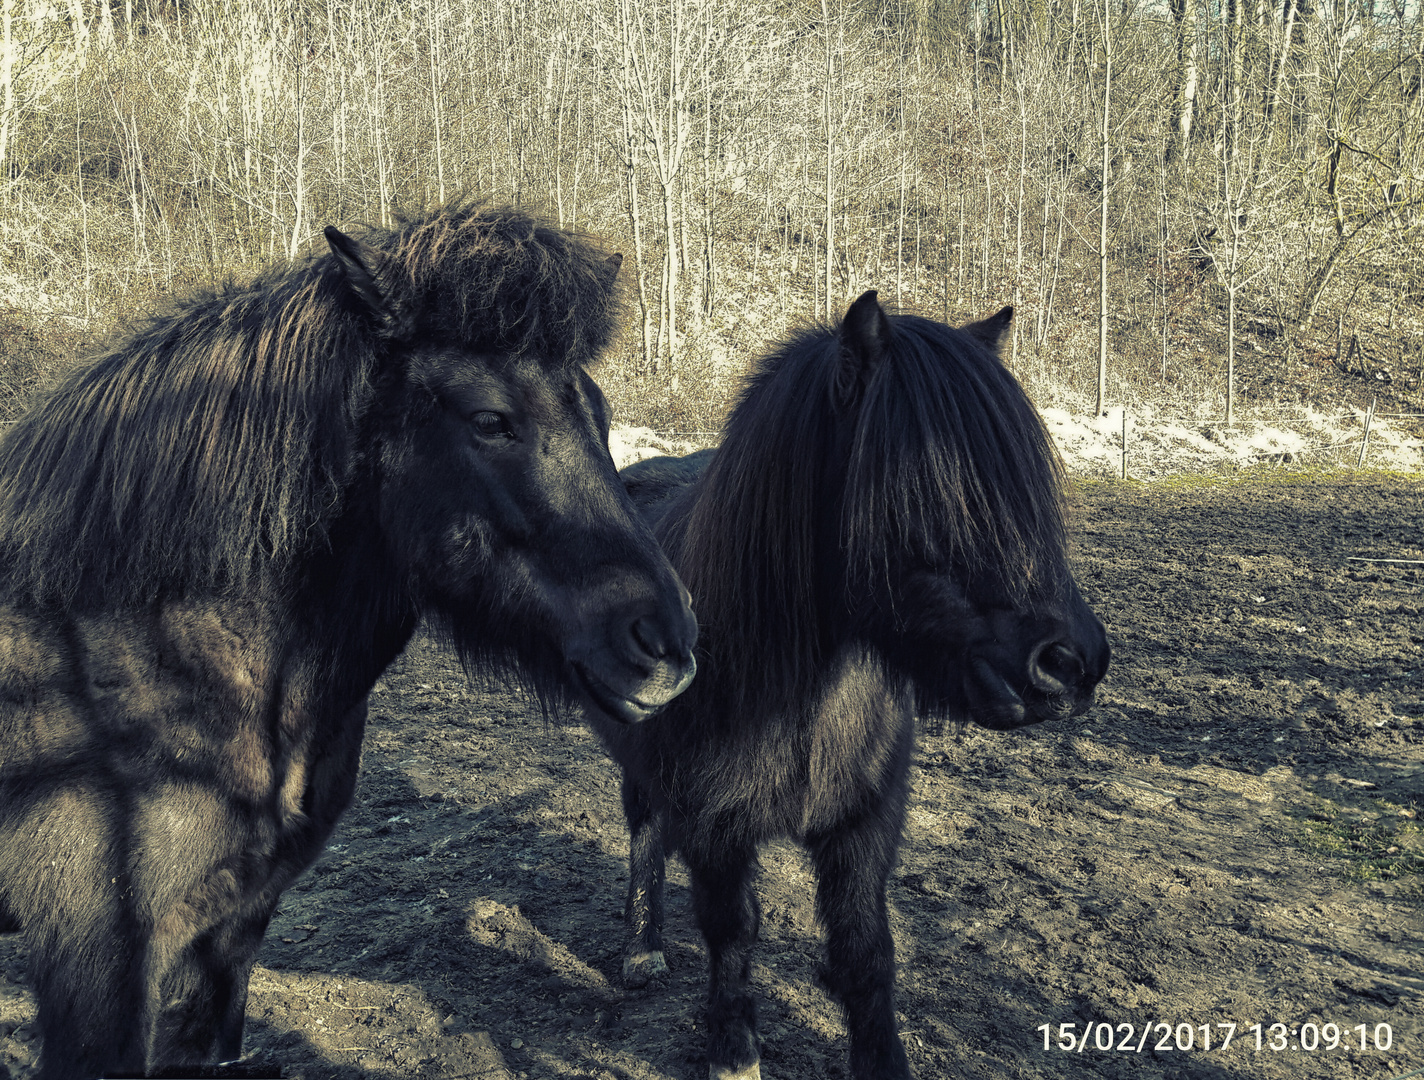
(1057, 668)
(665, 636)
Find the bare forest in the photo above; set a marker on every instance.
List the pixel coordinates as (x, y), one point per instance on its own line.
(1188, 204)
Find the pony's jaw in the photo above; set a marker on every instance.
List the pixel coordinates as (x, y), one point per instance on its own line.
(642, 701)
(631, 651)
(613, 625)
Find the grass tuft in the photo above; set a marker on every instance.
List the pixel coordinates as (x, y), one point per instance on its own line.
(1380, 841)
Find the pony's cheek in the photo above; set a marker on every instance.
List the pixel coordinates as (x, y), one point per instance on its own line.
(474, 496)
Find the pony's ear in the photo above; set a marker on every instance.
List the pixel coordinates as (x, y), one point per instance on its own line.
(367, 273)
(865, 336)
(990, 332)
(614, 264)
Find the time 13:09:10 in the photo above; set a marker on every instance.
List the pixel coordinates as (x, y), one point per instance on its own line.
(1159, 1036)
(1319, 1036)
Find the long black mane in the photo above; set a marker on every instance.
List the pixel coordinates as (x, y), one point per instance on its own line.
(947, 464)
(213, 445)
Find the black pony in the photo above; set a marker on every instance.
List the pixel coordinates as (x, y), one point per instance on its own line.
(879, 535)
(215, 537)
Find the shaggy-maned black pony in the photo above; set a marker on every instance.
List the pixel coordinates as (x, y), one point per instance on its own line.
(215, 537)
(879, 535)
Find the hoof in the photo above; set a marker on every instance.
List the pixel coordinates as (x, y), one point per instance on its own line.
(723, 1072)
(643, 968)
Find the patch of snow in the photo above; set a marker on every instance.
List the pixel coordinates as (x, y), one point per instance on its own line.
(1092, 445)
(630, 444)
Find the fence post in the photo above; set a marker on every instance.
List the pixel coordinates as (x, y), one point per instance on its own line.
(1365, 442)
(1124, 442)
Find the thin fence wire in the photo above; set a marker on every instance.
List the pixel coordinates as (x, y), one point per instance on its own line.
(1363, 441)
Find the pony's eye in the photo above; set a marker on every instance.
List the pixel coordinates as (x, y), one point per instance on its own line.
(492, 425)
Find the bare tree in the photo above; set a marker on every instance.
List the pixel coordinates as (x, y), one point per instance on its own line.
(1106, 135)
(1184, 18)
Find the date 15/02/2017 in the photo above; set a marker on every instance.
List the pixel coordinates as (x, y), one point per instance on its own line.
(1160, 1036)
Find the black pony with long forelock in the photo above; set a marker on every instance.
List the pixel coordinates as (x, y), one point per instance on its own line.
(213, 539)
(879, 535)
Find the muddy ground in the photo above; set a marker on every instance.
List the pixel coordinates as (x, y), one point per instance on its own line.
(1143, 864)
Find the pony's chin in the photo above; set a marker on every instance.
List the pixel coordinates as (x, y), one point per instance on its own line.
(994, 704)
(612, 704)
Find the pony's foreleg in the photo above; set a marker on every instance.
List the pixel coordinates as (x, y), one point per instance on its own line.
(89, 991)
(235, 948)
(205, 986)
(730, 919)
(852, 865)
(643, 957)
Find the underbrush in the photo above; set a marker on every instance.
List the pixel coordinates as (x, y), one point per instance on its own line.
(73, 270)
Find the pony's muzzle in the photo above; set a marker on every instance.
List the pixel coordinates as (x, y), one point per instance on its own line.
(669, 664)
(1055, 682)
(660, 647)
(647, 662)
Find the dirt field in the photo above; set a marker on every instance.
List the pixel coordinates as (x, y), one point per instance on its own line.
(1143, 864)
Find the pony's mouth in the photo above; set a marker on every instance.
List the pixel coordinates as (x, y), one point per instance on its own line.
(624, 710)
(993, 703)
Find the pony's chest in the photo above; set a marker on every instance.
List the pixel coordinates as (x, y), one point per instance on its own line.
(796, 775)
(857, 745)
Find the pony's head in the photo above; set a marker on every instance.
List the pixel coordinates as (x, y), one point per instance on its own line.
(952, 523)
(497, 491)
(888, 481)
(403, 425)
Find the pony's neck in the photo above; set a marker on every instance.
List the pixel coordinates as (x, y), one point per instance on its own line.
(350, 593)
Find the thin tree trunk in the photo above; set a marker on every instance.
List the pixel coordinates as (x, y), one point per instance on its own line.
(670, 278)
(830, 205)
(959, 291)
(1235, 13)
(1184, 14)
(630, 175)
(1019, 221)
(7, 88)
(1231, 352)
(435, 101)
(300, 180)
(1277, 90)
(1103, 215)
(709, 199)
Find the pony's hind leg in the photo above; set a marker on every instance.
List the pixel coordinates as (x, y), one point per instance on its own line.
(852, 864)
(730, 919)
(643, 958)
